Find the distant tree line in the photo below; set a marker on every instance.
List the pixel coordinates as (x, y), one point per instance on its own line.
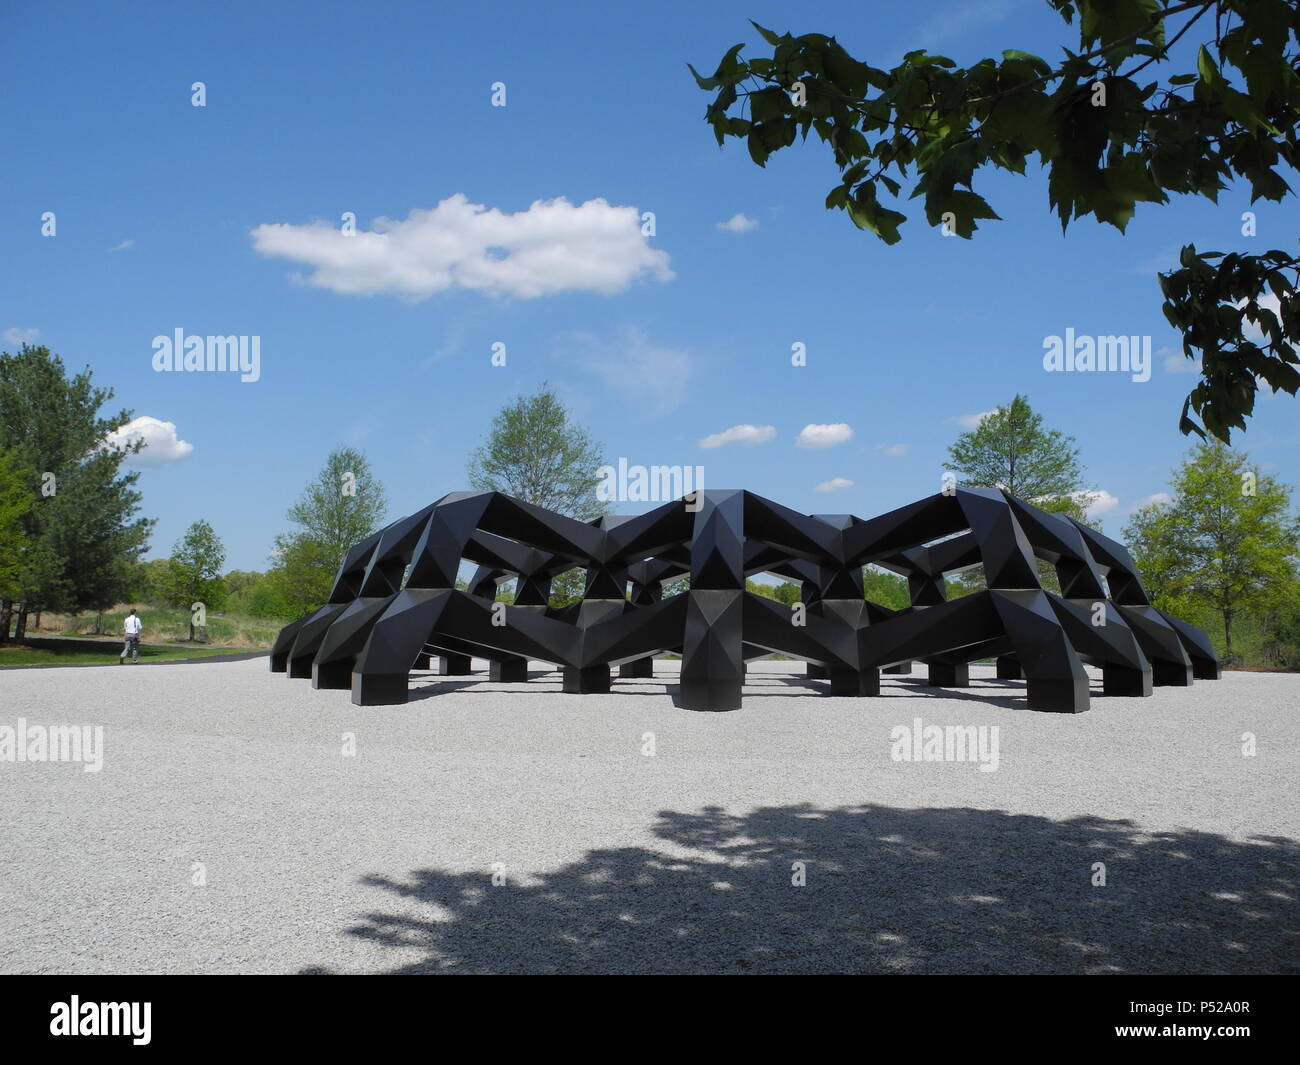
(1219, 549)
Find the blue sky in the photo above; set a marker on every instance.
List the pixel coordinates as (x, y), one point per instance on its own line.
(313, 110)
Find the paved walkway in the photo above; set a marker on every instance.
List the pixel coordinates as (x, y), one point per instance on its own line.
(230, 831)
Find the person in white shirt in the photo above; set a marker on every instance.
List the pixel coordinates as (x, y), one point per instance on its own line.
(132, 627)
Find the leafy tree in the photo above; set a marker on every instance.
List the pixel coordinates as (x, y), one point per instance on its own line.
(194, 571)
(83, 533)
(257, 594)
(149, 581)
(1228, 539)
(1013, 449)
(567, 588)
(266, 600)
(677, 585)
(887, 589)
(342, 506)
(536, 452)
(16, 500)
(303, 573)
(787, 593)
(238, 584)
(1109, 139)
(88, 527)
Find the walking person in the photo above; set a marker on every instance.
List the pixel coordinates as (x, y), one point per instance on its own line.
(131, 626)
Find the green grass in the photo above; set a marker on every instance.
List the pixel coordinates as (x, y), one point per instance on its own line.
(166, 624)
(19, 655)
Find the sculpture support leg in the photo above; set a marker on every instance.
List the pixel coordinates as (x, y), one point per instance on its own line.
(855, 682)
(378, 689)
(593, 680)
(332, 675)
(1122, 680)
(902, 669)
(641, 668)
(712, 666)
(1009, 669)
(509, 670)
(454, 665)
(949, 674)
(1055, 680)
(1172, 674)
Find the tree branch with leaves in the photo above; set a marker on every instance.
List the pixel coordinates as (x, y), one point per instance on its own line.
(1108, 140)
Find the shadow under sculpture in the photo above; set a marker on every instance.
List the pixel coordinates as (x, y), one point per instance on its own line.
(394, 606)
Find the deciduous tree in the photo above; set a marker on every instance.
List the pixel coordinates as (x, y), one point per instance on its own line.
(1228, 539)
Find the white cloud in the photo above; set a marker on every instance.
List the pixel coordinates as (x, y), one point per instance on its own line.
(1250, 330)
(123, 246)
(834, 485)
(1097, 503)
(972, 421)
(551, 247)
(819, 436)
(738, 223)
(20, 336)
(1146, 501)
(740, 434)
(651, 378)
(1177, 362)
(892, 449)
(161, 444)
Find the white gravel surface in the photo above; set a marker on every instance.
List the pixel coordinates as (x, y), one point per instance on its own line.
(616, 860)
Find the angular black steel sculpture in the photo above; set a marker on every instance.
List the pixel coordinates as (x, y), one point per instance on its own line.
(395, 605)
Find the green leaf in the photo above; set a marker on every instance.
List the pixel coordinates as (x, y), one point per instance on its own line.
(1205, 67)
(767, 35)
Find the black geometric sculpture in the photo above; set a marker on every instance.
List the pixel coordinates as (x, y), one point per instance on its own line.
(395, 606)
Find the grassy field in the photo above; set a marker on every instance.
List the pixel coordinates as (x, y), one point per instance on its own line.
(18, 655)
(167, 625)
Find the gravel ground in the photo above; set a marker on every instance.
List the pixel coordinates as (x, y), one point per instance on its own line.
(611, 859)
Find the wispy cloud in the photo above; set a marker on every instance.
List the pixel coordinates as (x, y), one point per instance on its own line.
(1147, 501)
(20, 336)
(738, 223)
(892, 449)
(550, 248)
(740, 434)
(1176, 362)
(834, 485)
(652, 378)
(959, 20)
(1160, 263)
(123, 246)
(972, 421)
(820, 436)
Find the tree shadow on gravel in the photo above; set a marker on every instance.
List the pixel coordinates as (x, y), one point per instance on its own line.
(888, 891)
